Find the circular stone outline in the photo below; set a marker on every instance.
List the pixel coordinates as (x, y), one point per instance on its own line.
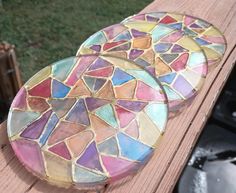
(145, 44)
(37, 125)
(208, 36)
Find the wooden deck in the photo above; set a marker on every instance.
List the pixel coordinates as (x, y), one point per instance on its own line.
(162, 172)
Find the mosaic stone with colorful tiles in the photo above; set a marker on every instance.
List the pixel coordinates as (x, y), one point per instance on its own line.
(86, 121)
(211, 40)
(175, 59)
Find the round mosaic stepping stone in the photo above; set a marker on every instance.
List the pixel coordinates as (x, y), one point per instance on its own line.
(211, 40)
(87, 121)
(175, 59)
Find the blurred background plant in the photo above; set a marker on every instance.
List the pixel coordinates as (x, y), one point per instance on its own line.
(46, 31)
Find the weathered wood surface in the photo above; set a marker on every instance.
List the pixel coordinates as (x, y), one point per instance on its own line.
(163, 170)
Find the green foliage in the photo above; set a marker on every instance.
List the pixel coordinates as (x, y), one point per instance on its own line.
(45, 31)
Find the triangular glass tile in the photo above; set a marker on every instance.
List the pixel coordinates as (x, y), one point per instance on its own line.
(101, 128)
(90, 158)
(79, 114)
(107, 114)
(98, 84)
(178, 49)
(61, 150)
(106, 92)
(145, 92)
(43, 89)
(80, 89)
(109, 147)
(120, 77)
(59, 90)
(99, 63)
(118, 167)
(135, 106)
(133, 149)
(167, 19)
(90, 82)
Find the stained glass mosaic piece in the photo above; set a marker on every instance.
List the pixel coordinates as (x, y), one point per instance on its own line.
(61, 150)
(90, 158)
(59, 90)
(87, 126)
(23, 148)
(20, 102)
(109, 147)
(42, 90)
(133, 149)
(38, 104)
(115, 166)
(161, 49)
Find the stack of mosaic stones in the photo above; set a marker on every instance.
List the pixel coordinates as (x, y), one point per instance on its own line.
(89, 120)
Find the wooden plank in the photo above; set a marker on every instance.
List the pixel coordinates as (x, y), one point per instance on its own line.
(163, 170)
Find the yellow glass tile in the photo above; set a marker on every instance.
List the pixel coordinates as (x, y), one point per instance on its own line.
(57, 169)
(40, 76)
(212, 31)
(211, 54)
(148, 136)
(189, 44)
(84, 50)
(178, 17)
(141, 26)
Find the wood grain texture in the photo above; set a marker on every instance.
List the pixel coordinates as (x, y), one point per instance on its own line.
(163, 170)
